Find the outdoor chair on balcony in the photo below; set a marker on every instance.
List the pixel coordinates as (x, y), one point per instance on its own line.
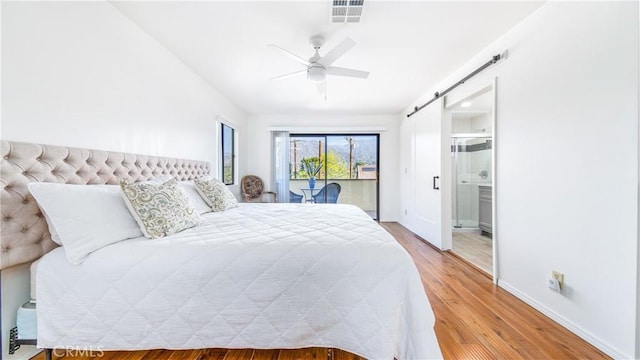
(252, 189)
(294, 198)
(328, 194)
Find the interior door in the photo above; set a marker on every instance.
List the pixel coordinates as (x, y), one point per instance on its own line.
(428, 167)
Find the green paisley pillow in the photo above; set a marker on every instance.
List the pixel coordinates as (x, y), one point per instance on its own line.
(160, 209)
(216, 194)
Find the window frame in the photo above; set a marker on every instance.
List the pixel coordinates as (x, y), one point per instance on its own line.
(323, 181)
(223, 142)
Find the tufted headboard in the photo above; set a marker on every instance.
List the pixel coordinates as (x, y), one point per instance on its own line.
(24, 235)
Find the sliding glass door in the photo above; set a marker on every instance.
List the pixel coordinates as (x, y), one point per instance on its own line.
(336, 168)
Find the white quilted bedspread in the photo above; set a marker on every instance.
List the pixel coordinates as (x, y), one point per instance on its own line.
(257, 276)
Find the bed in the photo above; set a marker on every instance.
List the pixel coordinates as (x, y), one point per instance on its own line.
(267, 276)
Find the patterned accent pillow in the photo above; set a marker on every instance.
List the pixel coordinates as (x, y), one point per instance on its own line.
(216, 194)
(160, 209)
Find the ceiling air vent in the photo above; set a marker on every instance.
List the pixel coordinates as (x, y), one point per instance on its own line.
(346, 11)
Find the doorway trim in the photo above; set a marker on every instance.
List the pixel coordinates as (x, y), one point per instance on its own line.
(450, 101)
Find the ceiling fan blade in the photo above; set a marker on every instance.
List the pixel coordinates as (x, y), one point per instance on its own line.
(322, 89)
(290, 74)
(291, 55)
(336, 52)
(333, 70)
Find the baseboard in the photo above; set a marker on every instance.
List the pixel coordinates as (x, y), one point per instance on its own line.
(569, 325)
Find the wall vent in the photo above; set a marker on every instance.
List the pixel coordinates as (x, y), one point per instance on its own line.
(346, 11)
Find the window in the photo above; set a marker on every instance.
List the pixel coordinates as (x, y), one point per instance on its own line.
(350, 161)
(228, 154)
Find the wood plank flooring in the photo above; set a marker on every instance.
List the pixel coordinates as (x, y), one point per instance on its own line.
(475, 248)
(477, 320)
(474, 320)
(207, 354)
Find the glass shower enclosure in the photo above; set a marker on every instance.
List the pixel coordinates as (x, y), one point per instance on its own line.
(472, 166)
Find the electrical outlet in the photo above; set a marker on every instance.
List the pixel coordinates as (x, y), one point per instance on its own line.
(559, 278)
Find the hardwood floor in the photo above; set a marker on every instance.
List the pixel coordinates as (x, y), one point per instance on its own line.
(208, 354)
(475, 248)
(477, 320)
(474, 320)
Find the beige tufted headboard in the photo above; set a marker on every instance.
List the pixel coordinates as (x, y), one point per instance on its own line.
(24, 235)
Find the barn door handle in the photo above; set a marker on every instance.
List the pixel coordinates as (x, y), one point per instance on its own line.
(434, 183)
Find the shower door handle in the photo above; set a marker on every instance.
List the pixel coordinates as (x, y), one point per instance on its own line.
(434, 183)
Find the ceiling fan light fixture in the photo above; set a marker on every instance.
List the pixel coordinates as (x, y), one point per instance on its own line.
(316, 73)
(319, 67)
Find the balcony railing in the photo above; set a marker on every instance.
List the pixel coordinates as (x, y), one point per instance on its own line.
(361, 193)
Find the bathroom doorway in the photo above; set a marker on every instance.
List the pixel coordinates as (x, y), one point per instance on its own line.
(472, 174)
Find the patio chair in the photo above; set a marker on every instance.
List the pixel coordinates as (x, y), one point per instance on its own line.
(328, 194)
(252, 189)
(294, 198)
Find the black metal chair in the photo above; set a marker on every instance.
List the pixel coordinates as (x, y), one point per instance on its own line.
(328, 194)
(294, 198)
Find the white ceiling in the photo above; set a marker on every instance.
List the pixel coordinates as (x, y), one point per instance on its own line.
(408, 47)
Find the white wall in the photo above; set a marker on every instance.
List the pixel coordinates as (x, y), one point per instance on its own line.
(567, 164)
(481, 122)
(407, 162)
(637, 222)
(81, 74)
(259, 146)
(471, 125)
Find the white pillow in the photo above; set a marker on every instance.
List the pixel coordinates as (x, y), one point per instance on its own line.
(161, 209)
(195, 198)
(216, 194)
(52, 230)
(85, 217)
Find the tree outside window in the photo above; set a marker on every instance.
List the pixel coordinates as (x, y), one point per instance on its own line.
(342, 157)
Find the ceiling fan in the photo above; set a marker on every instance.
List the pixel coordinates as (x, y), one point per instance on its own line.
(318, 67)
